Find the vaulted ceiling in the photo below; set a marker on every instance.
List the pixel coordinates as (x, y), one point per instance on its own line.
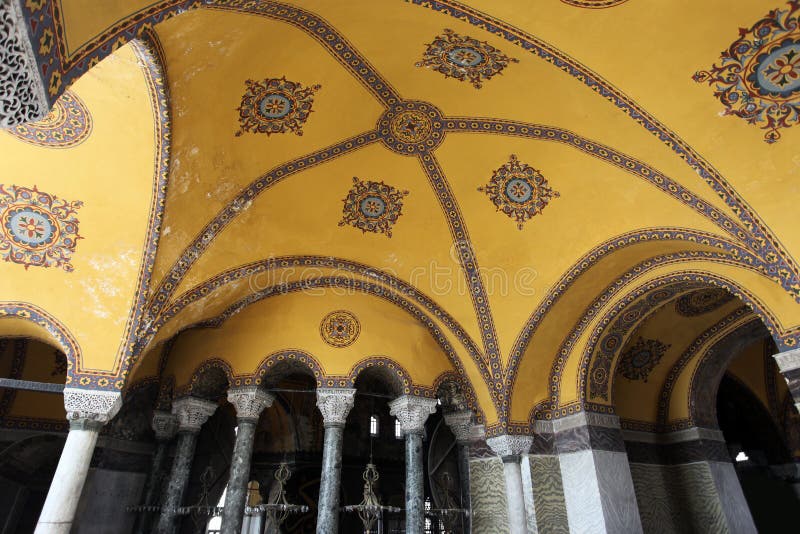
(484, 181)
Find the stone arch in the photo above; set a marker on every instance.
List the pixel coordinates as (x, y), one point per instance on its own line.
(48, 330)
(210, 380)
(283, 363)
(656, 293)
(387, 373)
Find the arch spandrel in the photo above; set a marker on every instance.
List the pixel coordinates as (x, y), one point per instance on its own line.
(100, 192)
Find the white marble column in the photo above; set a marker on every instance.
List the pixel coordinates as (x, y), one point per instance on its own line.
(510, 449)
(789, 364)
(87, 412)
(412, 412)
(249, 402)
(334, 404)
(460, 424)
(192, 413)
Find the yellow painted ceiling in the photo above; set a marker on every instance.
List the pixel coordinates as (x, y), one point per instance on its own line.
(648, 53)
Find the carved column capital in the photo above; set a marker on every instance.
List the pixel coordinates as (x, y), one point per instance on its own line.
(165, 425)
(249, 401)
(460, 424)
(192, 413)
(412, 412)
(789, 365)
(23, 93)
(335, 404)
(90, 410)
(510, 446)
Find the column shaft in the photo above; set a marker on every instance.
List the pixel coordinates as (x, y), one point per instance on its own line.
(152, 490)
(59, 508)
(328, 505)
(236, 493)
(517, 521)
(415, 488)
(463, 475)
(178, 480)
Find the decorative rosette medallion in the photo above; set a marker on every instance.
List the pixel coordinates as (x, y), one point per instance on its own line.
(464, 58)
(411, 128)
(640, 359)
(67, 124)
(37, 228)
(339, 328)
(275, 105)
(372, 207)
(759, 76)
(519, 190)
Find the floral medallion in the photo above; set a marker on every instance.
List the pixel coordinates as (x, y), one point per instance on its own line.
(37, 228)
(702, 301)
(519, 190)
(759, 76)
(411, 127)
(640, 359)
(372, 207)
(464, 58)
(68, 124)
(275, 105)
(339, 328)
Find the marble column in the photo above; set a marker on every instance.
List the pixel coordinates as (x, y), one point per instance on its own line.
(192, 413)
(412, 412)
(87, 412)
(249, 402)
(789, 364)
(598, 487)
(460, 423)
(510, 449)
(685, 482)
(334, 404)
(165, 426)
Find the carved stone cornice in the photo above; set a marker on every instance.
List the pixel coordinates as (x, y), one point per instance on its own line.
(412, 412)
(335, 404)
(165, 425)
(249, 401)
(510, 446)
(87, 409)
(23, 94)
(192, 413)
(460, 424)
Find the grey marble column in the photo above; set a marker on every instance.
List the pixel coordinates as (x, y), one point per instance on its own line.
(510, 449)
(412, 412)
(596, 477)
(192, 413)
(87, 412)
(789, 364)
(165, 426)
(460, 423)
(249, 402)
(334, 404)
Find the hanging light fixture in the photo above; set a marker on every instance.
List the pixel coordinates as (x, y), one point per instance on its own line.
(369, 510)
(280, 508)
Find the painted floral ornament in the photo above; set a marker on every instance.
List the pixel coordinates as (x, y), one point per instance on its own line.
(36, 228)
(275, 105)
(758, 78)
(519, 190)
(372, 207)
(464, 58)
